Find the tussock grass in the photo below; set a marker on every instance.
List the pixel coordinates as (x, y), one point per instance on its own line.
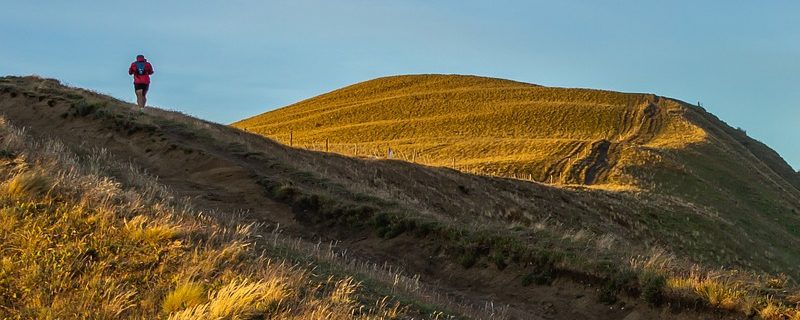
(185, 295)
(28, 184)
(237, 300)
(140, 229)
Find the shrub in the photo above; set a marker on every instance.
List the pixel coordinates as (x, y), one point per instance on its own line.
(468, 257)
(652, 287)
(499, 260)
(616, 283)
(284, 193)
(423, 229)
(380, 222)
(84, 108)
(540, 277)
(306, 203)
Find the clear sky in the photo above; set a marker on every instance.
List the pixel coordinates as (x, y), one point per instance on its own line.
(226, 60)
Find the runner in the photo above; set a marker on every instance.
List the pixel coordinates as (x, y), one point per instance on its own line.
(141, 71)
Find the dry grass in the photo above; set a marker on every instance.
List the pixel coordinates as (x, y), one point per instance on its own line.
(224, 258)
(185, 295)
(28, 184)
(78, 245)
(710, 193)
(480, 125)
(732, 290)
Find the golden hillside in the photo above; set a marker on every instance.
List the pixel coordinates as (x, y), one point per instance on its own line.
(650, 145)
(490, 126)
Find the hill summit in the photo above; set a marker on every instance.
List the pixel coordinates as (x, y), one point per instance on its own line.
(640, 143)
(508, 128)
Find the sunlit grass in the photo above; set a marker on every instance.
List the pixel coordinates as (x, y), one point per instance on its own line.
(729, 290)
(78, 245)
(480, 125)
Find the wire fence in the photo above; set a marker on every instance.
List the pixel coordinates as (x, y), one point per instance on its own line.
(412, 155)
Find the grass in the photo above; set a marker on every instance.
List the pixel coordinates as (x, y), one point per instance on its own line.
(480, 125)
(713, 194)
(28, 184)
(663, 278)
(557, 233)
(77, 244)
(185, 295)
(657, 278)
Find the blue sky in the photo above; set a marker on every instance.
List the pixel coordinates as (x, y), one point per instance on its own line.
(226, 60)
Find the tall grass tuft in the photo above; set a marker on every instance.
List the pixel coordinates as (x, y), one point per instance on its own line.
(29, 184)
(185, 295)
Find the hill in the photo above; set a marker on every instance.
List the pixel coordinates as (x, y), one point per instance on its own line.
(505, 128)
(474, 242)
(576, 137)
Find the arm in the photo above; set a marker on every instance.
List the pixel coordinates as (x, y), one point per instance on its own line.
(131, 69)
(150, 68)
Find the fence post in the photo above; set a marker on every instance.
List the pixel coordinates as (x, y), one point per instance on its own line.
(326, 144)
(291, 137)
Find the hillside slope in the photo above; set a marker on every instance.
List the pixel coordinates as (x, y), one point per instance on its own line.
(559, 136)
(507, 128)
(537, 249)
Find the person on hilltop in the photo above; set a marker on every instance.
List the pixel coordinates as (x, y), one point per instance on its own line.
(141, 71)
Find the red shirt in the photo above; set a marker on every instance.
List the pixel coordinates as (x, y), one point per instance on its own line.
(144, 78)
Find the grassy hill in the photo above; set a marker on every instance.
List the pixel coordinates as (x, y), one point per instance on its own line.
(537, 250)
(87, 236)
(501, 127)
(576, 137)
(492, 126)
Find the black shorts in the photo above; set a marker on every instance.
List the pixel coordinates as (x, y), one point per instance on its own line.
(141, 86)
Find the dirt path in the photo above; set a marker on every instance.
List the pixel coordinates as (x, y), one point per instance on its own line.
(217, 179)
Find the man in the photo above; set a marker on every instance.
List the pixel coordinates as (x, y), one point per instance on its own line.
(141, 71)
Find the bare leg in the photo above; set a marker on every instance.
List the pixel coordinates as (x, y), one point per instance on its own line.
(140, 98)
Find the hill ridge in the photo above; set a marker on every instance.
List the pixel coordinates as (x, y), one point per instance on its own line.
(639, 125)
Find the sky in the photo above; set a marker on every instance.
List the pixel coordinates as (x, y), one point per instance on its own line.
(226, 60)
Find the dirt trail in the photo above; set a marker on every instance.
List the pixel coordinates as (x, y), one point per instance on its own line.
(218, 179)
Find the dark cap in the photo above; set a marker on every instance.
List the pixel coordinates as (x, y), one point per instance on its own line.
(140, 56)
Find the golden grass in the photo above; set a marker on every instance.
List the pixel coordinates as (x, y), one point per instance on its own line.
(28, 184)
(185, 295)
(78, 245)
(480, 125)
(141, 229)
(729, 290)
(237, 300)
